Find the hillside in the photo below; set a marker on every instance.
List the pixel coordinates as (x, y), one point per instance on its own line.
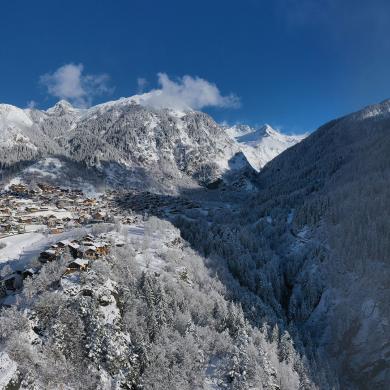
(285, 287)
(164, 148)
(337, 182)
(310, 250)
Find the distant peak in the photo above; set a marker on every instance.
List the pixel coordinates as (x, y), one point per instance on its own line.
(267, 129)
(61, 106)
(63, 103)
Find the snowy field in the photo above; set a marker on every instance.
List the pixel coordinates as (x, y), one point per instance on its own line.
(20, 249)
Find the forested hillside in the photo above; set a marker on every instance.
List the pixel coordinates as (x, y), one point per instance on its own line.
(164, 149)
(313, 245)
(285, 287)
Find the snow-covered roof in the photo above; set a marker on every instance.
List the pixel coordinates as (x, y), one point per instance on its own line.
(80, 262)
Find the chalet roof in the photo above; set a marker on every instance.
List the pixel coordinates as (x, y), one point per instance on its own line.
(9, 277)
(90, 248)
(64, 242)
(80, 262)
(100, 244)
(49, 251)
(87, 243)
(30, 271)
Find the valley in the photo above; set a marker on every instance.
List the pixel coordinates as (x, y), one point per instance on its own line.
(233, 277)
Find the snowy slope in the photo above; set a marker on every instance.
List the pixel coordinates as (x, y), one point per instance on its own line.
(337, 181)
(261, 145)
(13, 124)
(125, 138)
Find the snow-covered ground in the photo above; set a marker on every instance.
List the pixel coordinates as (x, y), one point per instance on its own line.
(58, 213)
(7, 370)
(20, 249)
(16, 246)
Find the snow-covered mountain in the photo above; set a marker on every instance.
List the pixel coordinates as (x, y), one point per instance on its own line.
(163, 148)
(334, 190)
(131, 143)
(284, 288)
(260, 145)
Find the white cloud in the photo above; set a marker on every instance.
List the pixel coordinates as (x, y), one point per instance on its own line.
(187, 92)
(142, 83)
(32, 104)
(70, 83)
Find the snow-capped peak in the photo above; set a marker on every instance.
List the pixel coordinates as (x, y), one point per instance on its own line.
(261, 144)
(256, 135)
(63, 107)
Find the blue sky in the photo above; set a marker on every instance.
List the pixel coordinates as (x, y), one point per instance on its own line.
(292, 63)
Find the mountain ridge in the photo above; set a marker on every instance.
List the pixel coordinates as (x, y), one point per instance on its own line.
(129, 136)
(261, 144)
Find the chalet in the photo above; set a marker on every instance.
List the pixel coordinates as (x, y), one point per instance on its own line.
(57, 229)
(12, 282)
(90, 253)
(32, 209)
(101, 248)
(78, 265)
(87, 243)
(25, 219)
(47, 255)
(29, 273)
(99, 216)
(72, 224)
(5, 211)
(74, 248)
(63, 243)
(88, 238)
(89, 202)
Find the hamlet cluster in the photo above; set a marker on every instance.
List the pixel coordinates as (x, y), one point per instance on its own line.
(52, 209)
